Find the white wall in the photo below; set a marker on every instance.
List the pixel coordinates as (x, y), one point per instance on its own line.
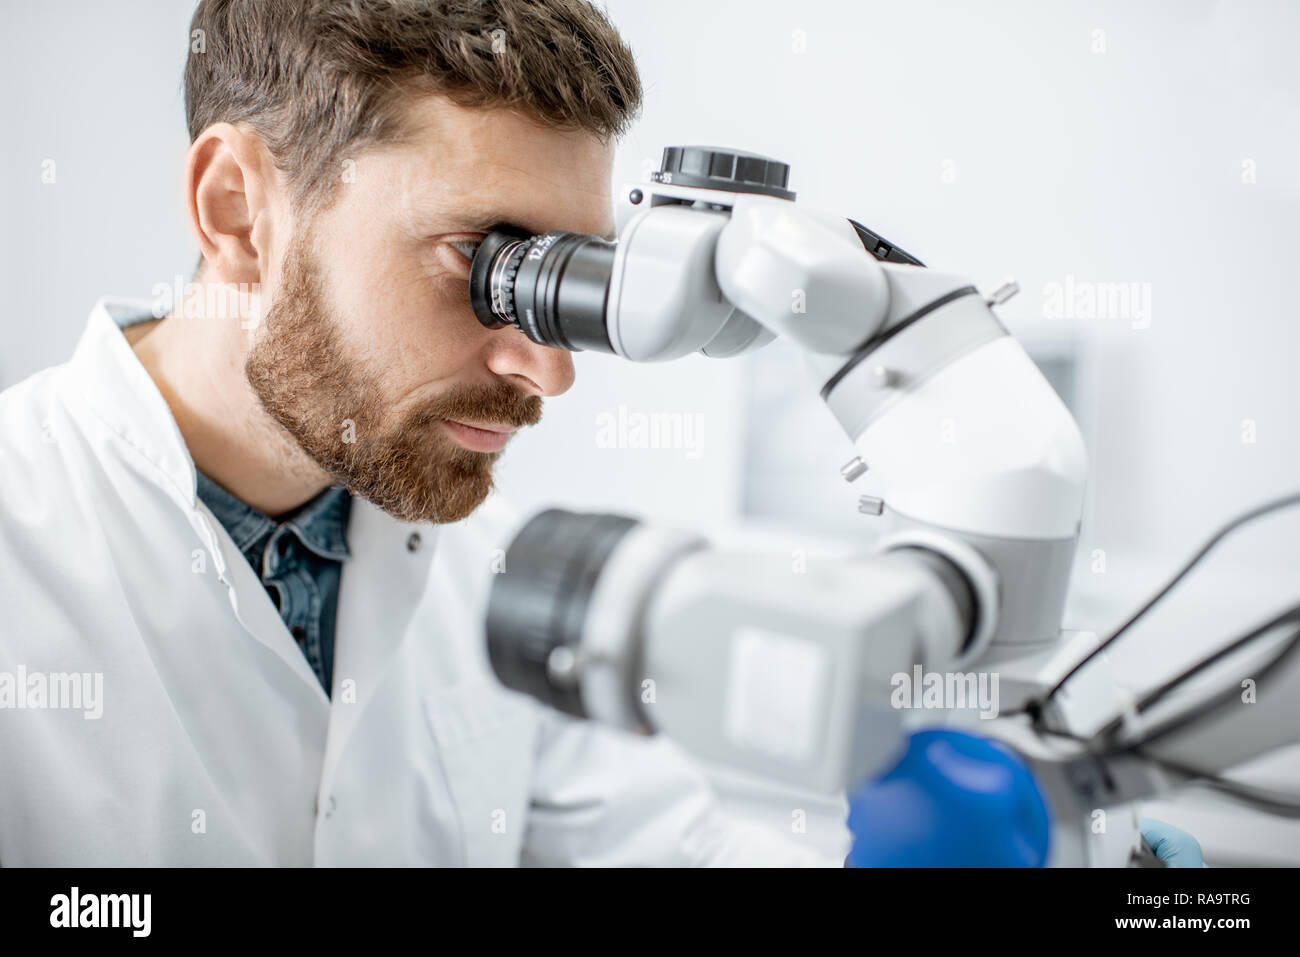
(988, 138)
(95, 88)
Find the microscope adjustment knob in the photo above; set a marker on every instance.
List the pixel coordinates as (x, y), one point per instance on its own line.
(871, 505)
(717, 167)
(1005, 291)
(853, 468)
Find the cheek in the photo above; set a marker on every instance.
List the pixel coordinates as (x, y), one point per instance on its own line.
(417, 325)
(444, 319)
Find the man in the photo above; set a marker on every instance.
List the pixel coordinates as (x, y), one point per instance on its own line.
(245, 548)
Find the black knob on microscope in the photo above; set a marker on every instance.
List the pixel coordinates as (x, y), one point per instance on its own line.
(715, 167)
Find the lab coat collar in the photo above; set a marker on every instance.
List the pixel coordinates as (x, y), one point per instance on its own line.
(122, 394)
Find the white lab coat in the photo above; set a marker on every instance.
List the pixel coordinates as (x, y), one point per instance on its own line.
(216, 744)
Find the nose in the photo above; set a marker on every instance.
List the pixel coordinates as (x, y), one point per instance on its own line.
(537, 369)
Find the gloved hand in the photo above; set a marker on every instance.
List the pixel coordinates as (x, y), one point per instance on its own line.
(1172, 845)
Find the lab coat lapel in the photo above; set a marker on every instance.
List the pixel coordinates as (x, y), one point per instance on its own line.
(382, 584)
(252, 605)
(121, 393)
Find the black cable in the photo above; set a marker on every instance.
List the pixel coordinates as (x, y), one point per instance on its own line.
(1291, 614)
(1271, 802)
(1205, 712)
(1205, 549)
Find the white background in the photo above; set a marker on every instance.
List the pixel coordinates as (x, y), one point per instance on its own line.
(1117, 166)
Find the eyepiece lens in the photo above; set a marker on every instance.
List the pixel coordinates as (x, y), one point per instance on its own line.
(553, 287)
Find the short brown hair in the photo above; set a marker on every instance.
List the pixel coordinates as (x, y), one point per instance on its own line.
(320, 78)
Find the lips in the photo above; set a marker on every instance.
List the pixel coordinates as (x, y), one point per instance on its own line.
(485, 437)
(489, 427)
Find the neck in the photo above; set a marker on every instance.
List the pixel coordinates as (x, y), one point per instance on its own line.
(196, 356)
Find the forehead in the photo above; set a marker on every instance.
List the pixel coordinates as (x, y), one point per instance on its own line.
(464, 169)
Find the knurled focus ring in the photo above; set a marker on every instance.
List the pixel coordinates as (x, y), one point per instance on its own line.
(503, 281)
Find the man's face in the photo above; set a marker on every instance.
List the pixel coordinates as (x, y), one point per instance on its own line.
(370, 355)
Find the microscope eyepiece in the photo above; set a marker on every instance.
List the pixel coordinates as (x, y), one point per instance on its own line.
(552, 287)
(555, 287)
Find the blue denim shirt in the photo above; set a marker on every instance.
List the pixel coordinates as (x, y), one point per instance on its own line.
(299, 560)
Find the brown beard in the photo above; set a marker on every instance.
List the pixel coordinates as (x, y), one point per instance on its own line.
(411, 468)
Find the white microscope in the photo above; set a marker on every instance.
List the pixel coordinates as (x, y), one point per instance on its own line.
(982, 469)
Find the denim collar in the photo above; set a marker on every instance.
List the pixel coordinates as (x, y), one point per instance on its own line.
(320, 524)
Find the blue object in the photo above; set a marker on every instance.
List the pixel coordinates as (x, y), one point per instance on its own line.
(1172, 845)
(954, 799)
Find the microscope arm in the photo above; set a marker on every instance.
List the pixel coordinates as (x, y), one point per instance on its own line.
(901, 354)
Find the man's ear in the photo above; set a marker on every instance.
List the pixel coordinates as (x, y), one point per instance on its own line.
(230, 188)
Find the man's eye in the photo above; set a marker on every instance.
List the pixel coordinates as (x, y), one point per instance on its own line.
(467, 247)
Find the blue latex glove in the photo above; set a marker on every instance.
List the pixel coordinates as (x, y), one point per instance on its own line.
(954, 799)
(1175, 847)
